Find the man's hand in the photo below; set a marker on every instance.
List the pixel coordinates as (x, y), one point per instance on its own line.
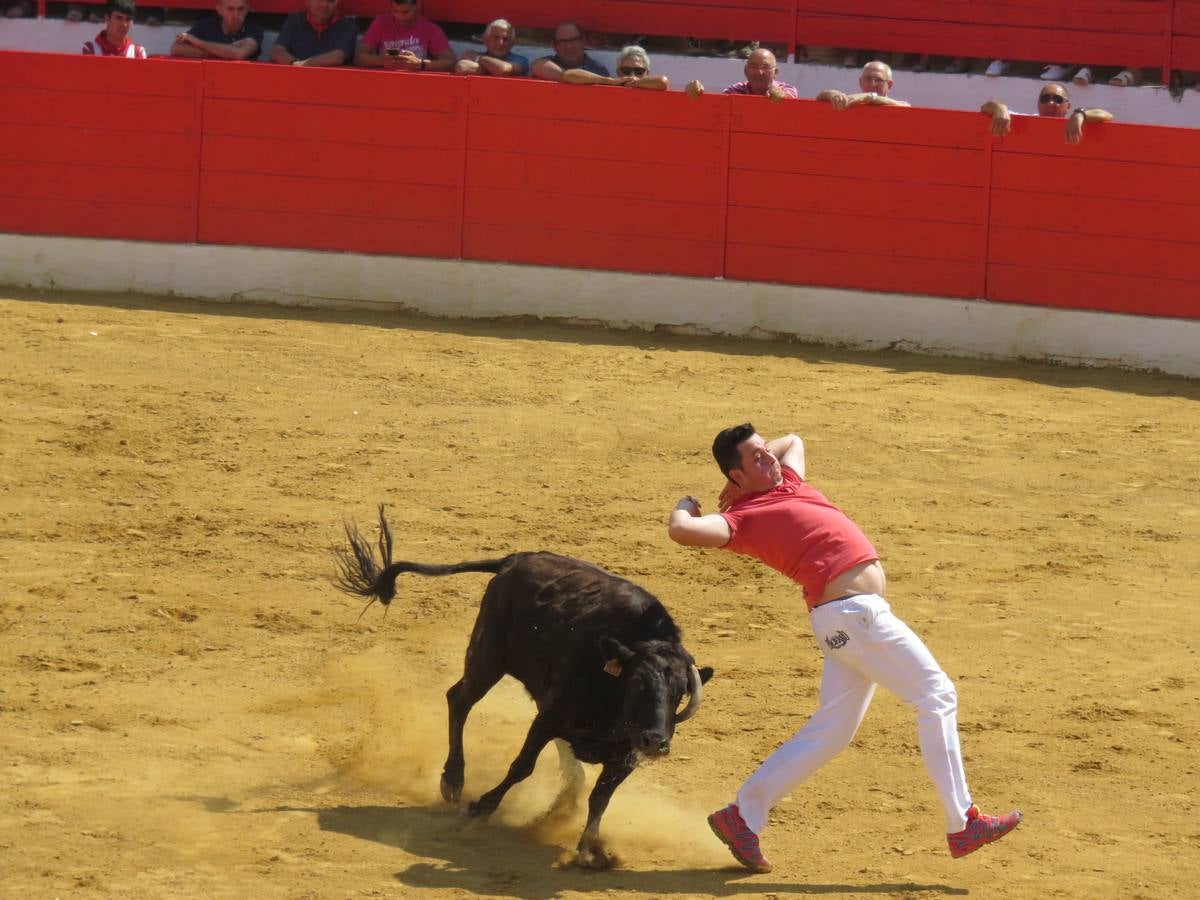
(694, 89)
(407, 60)
(837, 100)
(185, 38)
(728, 495)
(775, 94)
(1075, 126)
(1001, 122)
(689, 505)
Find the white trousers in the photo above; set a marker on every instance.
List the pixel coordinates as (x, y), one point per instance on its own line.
(864, 644)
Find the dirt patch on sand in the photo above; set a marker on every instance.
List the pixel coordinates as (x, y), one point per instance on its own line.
(189, 709)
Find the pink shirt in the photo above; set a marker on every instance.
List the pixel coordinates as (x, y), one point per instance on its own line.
(743, 87)
(796, 531)
(424, 38)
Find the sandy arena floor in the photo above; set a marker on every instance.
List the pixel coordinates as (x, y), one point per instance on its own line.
(188, 708)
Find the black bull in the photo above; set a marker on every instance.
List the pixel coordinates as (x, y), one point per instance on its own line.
(600, 657)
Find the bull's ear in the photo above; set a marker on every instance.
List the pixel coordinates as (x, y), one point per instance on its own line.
(615, 654)
(706, 672)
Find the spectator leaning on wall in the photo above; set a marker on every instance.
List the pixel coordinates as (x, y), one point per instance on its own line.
(760, 71)
(497, 57)
(404, 39)
(1054, 102)
(317, 36)
(114, 39)
(875, 84)
(568, 54)
(633, 70)
(227, 35)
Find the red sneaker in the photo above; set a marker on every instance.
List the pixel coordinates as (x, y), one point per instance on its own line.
(981, 830)
(731, 828)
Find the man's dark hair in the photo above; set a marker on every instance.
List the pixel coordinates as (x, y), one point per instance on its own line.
(725, 446)
(128, 7)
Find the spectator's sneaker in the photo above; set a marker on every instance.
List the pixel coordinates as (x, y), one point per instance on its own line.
(980, 830)
(957, 66)
(996, 68)
(731, 828)
(1055, 73)
(1083, 77)
(1124, 78)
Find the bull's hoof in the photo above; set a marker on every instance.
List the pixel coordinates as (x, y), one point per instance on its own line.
(476, 810)
(596, 857)
(451, 792)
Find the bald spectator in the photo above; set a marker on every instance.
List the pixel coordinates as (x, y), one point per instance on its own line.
(114, 40)
(403, 39)
(875, 85)
(227, 35)
(568, 54)
(497, 57)
(760, 71)
(318, 36)
(633, 70)
(1054, 102)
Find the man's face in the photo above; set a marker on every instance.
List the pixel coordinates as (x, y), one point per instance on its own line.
(568, 44)
(1053, 102)
(760, 70)
(233, 14)
(498, 42)
(759, 469)
(116, 27)
(875, 79)
(404, 12)
(322, 11)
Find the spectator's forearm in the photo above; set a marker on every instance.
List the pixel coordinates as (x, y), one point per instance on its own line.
(653, 83)
(328, 58)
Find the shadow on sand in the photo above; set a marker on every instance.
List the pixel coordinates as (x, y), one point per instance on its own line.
(497, 860)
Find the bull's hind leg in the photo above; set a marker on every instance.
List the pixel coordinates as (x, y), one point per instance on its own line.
(540, 734)
(484, 667)
(460, 699)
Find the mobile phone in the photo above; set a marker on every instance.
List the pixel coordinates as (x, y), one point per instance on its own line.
(392, 51)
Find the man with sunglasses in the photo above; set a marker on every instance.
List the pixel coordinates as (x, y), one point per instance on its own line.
(1054, 102)
(404, 40)
(318, 36)
(761, 69)
(633, 70)
(875, 84)
(568, 54)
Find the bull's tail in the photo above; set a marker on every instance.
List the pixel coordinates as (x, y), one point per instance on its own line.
(361, 574)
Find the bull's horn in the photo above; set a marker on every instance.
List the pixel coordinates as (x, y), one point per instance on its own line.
(695, 692)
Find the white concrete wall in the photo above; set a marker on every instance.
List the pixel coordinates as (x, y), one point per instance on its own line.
(1145, 105)
(458, 289)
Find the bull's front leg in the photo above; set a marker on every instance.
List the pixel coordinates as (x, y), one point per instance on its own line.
(540, 734)
(591, 852)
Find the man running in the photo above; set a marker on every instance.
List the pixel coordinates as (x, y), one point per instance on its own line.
(768, 511)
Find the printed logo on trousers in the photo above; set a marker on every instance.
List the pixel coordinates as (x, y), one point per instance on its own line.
(837, 640)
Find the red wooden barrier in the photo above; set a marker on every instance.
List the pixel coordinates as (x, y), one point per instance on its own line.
(1105, 32)
(595, 177)
(903, 200)
(892, 201)
(1113, 224)
(95, 147)
(764, 20)
(332, 159)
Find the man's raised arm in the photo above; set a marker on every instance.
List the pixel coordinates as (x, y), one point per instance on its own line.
(687, 526)
(789, 450)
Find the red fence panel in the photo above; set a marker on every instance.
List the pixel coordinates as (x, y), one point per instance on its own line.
(332, 159)
(1185, 42)
(1104, 32)
(763, 20)
(597, 177)
(98, 147)
(878, 199)
(1113, 224)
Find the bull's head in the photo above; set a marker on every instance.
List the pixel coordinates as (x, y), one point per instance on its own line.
(655, 676)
